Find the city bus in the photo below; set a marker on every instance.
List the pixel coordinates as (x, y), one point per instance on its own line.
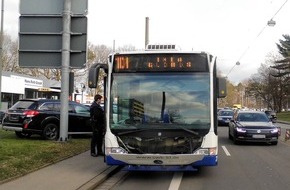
(161, 108)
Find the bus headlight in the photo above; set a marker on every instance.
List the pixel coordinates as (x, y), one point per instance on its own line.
(206, 151)
(116, 150)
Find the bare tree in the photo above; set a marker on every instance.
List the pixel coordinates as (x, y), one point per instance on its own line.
(96, 54)
(230, 99)
(10, 62)
(99, 54)
(264, 87)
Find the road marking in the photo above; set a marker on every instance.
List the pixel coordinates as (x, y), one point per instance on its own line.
(226, 151)
(176, 180)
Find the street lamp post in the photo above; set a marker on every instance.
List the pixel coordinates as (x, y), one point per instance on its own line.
(1, 50)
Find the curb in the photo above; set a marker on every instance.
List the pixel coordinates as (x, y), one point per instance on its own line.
(100, 178)
(283, 122)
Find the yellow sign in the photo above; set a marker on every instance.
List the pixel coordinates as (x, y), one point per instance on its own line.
(44, 89)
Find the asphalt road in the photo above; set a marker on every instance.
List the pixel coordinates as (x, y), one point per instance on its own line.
(245, 166)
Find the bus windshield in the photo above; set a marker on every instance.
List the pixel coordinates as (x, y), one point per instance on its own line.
(160, 100)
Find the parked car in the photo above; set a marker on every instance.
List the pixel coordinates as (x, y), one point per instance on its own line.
(89, 105)
(272, 115)
(2, 113)
(42, 116)
(252, 126)
(86, 104)
(224, 116)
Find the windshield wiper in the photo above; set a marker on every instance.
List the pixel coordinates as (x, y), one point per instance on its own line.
(132, 131)
(188, 130)
(141, 130)
(120, 140)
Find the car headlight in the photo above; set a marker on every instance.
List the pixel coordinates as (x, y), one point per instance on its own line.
(241, 130)
(116, 150)
(275, 130)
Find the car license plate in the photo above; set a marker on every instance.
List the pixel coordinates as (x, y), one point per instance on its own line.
(259, 136)
(13, 118)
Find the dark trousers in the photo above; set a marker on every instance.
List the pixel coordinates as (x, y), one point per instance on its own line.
(97, 141)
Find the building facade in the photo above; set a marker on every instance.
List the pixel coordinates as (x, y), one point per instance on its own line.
(15, 86)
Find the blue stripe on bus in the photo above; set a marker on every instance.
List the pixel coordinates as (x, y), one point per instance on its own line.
(160, 168)
(207, 161)
(112, 161)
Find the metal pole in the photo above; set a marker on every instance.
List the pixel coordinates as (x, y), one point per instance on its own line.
(82, 97)
(64, 96)
(83, 89)
(1, 50)
(146, 31)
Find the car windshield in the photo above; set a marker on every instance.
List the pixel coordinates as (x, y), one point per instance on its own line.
(20, 105)
(253, 117)
(226, 113)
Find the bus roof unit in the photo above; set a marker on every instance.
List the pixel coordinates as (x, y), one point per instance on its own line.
(161, 47)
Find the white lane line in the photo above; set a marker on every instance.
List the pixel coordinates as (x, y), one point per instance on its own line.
(226, 151)
(176, 180)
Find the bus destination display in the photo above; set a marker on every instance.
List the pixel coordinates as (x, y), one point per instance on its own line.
(160, 62)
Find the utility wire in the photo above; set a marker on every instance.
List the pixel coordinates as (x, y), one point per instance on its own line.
(238, 62)
(279, 9)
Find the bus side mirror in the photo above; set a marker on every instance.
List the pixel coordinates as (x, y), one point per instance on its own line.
(222, 87)
(94, 74)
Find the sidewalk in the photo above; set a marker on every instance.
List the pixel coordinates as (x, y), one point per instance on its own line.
(76, 173)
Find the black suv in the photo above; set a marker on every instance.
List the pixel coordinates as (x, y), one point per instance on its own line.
(42, 116)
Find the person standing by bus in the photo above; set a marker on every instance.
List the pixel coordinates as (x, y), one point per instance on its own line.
(98, 125)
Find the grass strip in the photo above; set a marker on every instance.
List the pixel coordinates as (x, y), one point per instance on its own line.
(21, 156)
(284, 116)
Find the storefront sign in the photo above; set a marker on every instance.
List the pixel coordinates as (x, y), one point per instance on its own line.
(30, 82)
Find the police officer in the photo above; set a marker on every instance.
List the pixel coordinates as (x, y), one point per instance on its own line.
(98, 126)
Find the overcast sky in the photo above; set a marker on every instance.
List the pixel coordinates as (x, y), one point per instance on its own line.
(232, 30)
